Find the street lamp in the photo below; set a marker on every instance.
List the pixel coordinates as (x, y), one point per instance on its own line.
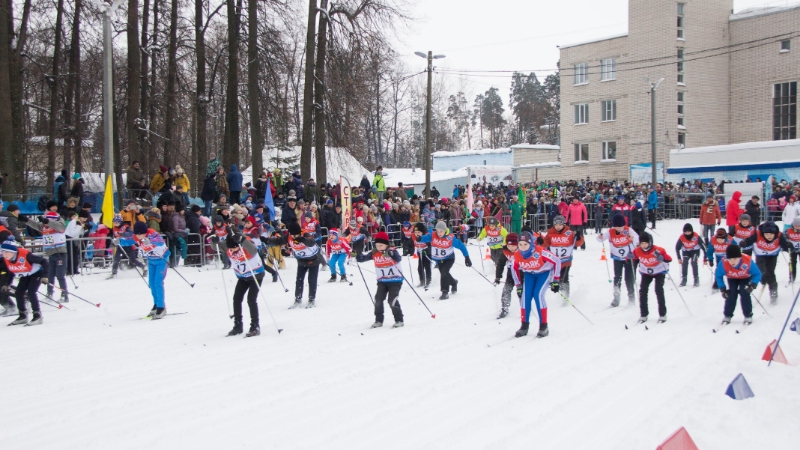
(430, 57)
(653, 87)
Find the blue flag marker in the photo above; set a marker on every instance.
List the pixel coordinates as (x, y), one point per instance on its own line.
(739, 389)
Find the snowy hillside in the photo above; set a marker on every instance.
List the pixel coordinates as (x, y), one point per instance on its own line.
(339, 162)
(101, 378)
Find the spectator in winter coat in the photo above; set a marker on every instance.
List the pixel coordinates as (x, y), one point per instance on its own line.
(577, 216)
(733, 211)
(131, 213)
(181, 180)
(222, 183)
(379, 184)
(234, 184)
(10, 219)
(400, 192)
(299, 188)
(288, 214)
(213, 164)
(753, 209)
(652, 206)
(160, 180)
(208, 193)
(709, 216)
(77, 188)
(638, 217)
(791, 211)
(136, 180)
(311, 191)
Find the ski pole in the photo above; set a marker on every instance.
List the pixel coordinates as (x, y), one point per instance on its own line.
(654, 231)
(119, 249)
(482, 276)
(184, 279)
(433, 316)
(275, 266)
(758, 299)
(73, 295)
(576, 308)
(57, 305)
(608, 271)
(777, 344)
(365, 282)
(224, 287)
(480, 255)
(258, 285)
(679, 293)
(411, 271)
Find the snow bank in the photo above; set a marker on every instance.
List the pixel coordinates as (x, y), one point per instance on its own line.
(339, 162)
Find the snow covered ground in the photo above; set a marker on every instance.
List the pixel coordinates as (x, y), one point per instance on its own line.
(100, 378)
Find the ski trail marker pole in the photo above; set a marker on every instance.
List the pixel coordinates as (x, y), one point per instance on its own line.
(788, 316)
(480, 256)
(679, 293)
(608, 271)
(576, 308)
(73, 295)
(260, 291)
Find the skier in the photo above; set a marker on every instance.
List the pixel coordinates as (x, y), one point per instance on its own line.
(793, 238)
(389, 276)
(253, 231)
(509, 249)
(423, 252)
(221, 230)
(249, 270)
(311, 225)
(54, 242)
(151, 246)
(443, 245)
(123, 243)
(534, 268)
(337, 250)
(623, 240)
(767, 243)
(653, 266)
(621, 209)
(688, 250)
(495, 234)
(718, 245)
(356, 234)
(32, 272)
(743, 276)
(561, 241)
(306, 252)
(741, 231)
(408, 244)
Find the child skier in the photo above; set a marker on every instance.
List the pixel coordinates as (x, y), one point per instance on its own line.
(512, 239)
(54, 242)
(767, 243)
(717, 247)
(423, 252)
(221, 231)
(743, 276)
(653, 266)
(495, 235)
(406, 238)
(32, 272)
(310, 225)
(743, 230)
(534, 268)
(356, 233)
(152, 246)
(123, 246)
(253, 231)
(249, 270)
(443, 245)
(390, 278)
(793, 238)
(337, 250)
(688, 250)
(560, 240)
(306, 252)
(623, 240)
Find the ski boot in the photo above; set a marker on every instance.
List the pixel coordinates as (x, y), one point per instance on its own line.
(543, 330)
(726, 320)
(617, 292)
(631, 299)
(332, 279)
(696, 282)
(237, 329)
(160, 313)
(343, 279)
(748, 320)
(254, 331)
(398, 325)
(523, 330)
(454, 287)
(565, 289)
(662, 319)
(311, 303)
(297, 302)
(503, 313)
(773, 297)
(497, 281)
(421, 283)
(377, 324)
(112, 276)
(152, 311)
(10, 310)
(64, 298)
(21, 320)
(683, 282)
(144, 271)
(35, 320)
(643, 319)
(427, 283)
(444, 296)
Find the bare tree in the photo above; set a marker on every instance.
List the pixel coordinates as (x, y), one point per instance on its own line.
(170, 125)
(134, 78)
(319, 96)
(72, 108)
(308, 93)
(253, 91)
(231, 135)
(53, 81)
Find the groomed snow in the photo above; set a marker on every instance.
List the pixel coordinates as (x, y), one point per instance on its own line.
(100, 378)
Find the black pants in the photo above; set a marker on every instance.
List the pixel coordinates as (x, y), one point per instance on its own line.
(627, 266)
(358, 247)
(424, 266)
(793, 265)
(193, 250)
(499, 259)
(690, 258)
(651, 216)
(6, 277)
(446, 280)
(73, 257)
(767, 266)
(312, 269)
(57, 271)
(28, 287)
(645, 286)
(392, 290)
(250, 286)
(130, 254)
(408, 247)
(736, 289)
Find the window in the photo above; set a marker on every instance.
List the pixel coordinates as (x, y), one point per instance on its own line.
(582, 113)
(784, 111)
(682, 139)
(681, 7)
(581, 152)
(680, 34)
(681, 22)
(680, 109)
(681, 96)
(680, 66)
(680, 54)
(609, 110)
(786, 45)
(609, 150)
(581, 73)
(681, 79)
(680, 121)
(608, 69)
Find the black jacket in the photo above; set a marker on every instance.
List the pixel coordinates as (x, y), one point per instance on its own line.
(193, 222)
(209, 189)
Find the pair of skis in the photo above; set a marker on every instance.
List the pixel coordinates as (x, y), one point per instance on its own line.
(725, 324)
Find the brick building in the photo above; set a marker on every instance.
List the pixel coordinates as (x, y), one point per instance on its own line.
(728, 78)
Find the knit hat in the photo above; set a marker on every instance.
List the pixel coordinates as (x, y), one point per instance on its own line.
(9, 245)
(140, 228)
(294, 229)
(218, 219)
(153, 214)
(52, 215)
(291, 198)
(512, 239)
(492, 221)
(441, 226)
(353, 223)
(251, 220)
(406, 224)
(618, 221)
(162, 168)
(178, 169)
(50, 204)
(308, 215)
(381, 238)
(117, 218)
(88, 205)
(195, 208)
(733, 251)
(421, 228)
(76, 176)
(646, 237)
(559, 220)
(525, 236)
(768, 227)
(796, 222)
(721, 233)
(84, 214)
(359, 219)
(744, 217)
(231, 242)
(687, 228)
(334, 233)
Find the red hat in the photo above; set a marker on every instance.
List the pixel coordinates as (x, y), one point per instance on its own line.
(512, 239)
(162, 168)
(381, 238)
(251, 219)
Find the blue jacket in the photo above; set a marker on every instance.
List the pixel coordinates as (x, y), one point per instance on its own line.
(652, 200)
(234, 179)
(755, 273)
(453, 243)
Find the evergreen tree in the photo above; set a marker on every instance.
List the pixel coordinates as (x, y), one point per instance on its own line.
(492, 116)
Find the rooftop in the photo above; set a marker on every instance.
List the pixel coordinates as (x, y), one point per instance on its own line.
(592, 41)
(762, 11)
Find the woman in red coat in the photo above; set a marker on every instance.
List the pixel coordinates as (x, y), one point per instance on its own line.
(733, 211)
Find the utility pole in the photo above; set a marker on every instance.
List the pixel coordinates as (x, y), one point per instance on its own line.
(108, 93)
(653, 87)
(430, 57)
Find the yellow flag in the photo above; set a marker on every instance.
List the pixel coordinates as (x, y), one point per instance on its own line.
(108, 204)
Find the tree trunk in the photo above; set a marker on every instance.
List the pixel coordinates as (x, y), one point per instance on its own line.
(378, 134)
(201, 101)
(308, 94)
(6, 126)
(170, 125)
(253, 92)
(134, 78)
(16, 181)
(230, 144)
(53, 81)
(73, 106)
(144, 143)
(319, 98)
(152, 154)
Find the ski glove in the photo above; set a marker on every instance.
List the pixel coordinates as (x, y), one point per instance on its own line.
(467, 262)
(724, 293)
(5, 289)
(215, 239)
(45, 281)
(711, 262)
(750, 287)
(659, 256)
(519, 292)
(22, 218)
(44, 220)
(555, 286)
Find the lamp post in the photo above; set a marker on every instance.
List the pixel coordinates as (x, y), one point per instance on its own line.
(653, 87)
(430, 57)
(108, 89)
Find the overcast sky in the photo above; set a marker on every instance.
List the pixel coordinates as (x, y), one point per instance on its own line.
(513, 34)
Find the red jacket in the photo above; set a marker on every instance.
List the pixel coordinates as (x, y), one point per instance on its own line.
(733, 210)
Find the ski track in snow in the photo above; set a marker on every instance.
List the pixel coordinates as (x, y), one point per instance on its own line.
(100, 378)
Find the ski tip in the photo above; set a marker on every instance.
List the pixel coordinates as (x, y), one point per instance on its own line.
(362, 334)
(626, 327)
(713, 330)
(192, 285)
(645, 327)
(737, 331)
(279, 330)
